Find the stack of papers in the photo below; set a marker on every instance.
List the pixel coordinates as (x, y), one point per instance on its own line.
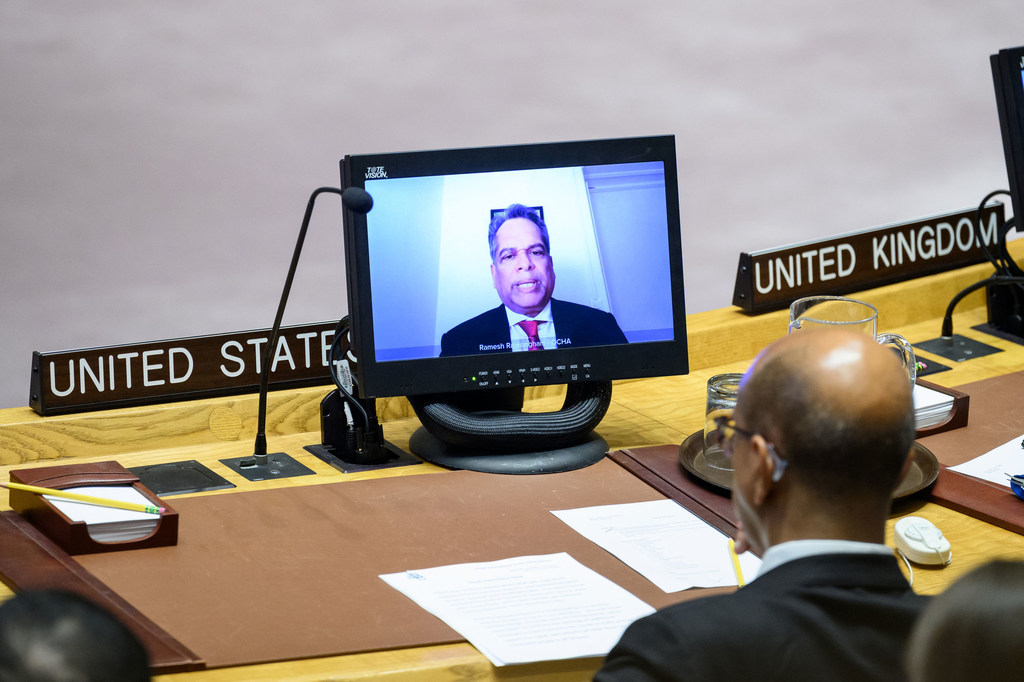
(525, 609)
(107, 524)
(996, 465)
(664, 542)
(930, 406)
(551, 607)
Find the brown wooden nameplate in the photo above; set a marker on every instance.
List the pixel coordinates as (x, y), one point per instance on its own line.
(773, 278)
(179, 369)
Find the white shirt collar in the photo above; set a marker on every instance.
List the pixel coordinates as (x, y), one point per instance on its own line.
(798, 549)
(515, 318)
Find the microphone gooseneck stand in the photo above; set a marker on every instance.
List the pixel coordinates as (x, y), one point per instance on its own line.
(260, 465)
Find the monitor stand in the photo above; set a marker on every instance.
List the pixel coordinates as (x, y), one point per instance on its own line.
(497, 437)
(433, 450)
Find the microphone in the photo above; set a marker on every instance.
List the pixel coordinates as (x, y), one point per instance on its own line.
(355, 199)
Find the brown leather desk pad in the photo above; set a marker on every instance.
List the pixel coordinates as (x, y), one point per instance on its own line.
(30, 560)
(996, 416)
(293, 572)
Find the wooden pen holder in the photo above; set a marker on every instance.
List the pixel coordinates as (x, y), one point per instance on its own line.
(74, 536)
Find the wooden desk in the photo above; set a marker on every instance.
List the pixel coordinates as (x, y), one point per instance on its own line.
(643, 412)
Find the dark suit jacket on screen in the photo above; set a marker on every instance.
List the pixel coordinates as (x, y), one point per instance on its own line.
(828, 617)
(579, 324)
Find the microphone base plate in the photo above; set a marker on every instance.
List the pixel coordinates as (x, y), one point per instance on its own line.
(279, 465)
(957, 348)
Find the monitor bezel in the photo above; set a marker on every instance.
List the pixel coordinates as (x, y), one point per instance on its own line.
(559, 366)
(1008, 78)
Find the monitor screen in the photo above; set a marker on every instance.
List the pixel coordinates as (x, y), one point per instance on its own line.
(1008, 74)
(515, 266)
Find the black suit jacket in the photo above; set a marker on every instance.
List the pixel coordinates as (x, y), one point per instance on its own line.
(828, 617)
(579, 325)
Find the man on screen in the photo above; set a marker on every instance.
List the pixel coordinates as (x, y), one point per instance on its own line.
(528, 318)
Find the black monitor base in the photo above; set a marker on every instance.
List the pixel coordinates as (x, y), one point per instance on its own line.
(429, 448)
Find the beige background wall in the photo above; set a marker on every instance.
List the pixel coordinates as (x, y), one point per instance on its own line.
(155, 158)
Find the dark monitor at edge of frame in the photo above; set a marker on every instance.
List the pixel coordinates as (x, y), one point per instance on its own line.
(1008, 77)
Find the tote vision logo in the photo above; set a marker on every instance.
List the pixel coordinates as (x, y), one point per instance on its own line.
(376, 173)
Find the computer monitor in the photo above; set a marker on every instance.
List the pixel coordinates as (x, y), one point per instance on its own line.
(1005, 301)
(1008, 75)
(428, 304)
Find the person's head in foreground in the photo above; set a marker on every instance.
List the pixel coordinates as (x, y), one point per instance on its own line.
(57, 636)
(824, 424)
(822, 430)
(972, 631)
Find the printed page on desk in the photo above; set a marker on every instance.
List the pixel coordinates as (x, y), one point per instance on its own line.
(108, 524)
(525, 609)
(664, 542)
(997, 465)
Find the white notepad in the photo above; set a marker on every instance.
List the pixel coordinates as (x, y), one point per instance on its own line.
(109, 524)
(930, 406)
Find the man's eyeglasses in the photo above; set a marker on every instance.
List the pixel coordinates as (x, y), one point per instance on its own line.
(535, 251)
(726, 431)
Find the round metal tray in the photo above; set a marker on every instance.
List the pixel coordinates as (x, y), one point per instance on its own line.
(924, 468)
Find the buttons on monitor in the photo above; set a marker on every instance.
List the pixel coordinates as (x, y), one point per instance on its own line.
(528, 376)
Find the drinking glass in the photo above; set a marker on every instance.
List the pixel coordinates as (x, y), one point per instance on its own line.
(722, 392)
(847, 313)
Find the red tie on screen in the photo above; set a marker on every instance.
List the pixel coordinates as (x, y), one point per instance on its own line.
(530, 327)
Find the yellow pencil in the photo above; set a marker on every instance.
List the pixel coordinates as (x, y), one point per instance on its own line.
(99, 501)
(736, 563)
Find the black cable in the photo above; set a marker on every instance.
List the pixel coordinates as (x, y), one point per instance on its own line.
(339, 334)
(993, 281)
(1006, 270)
(1000, 267)
(1011, 267)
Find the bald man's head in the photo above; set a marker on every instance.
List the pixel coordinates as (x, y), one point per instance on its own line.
(838, 407)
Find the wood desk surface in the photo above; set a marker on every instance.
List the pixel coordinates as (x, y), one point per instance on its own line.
(643, 412)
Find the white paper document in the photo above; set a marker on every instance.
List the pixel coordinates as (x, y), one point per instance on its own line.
(109, 524)
(666, 543)
(525, 609)
(995, 464)
(930, 406)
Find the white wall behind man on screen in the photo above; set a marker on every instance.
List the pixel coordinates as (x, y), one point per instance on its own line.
(466, 285)
(157, 156)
